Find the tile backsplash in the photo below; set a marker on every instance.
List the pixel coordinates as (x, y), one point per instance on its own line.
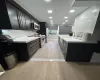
(18, 33)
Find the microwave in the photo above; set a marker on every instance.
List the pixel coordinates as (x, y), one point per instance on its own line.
(35, 26)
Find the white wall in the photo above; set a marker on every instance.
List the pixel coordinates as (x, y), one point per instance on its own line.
(47, 32)
(86, 21)
(18, 33)
(58, 31)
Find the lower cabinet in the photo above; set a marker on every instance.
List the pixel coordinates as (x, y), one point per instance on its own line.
(63, 45)
(26, 50)
(76, 51)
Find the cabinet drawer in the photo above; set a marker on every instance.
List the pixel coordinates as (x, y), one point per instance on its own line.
(33, 49)
(30, 43)
(33, 42)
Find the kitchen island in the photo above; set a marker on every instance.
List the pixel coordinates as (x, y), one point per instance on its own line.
(76, 50)
(26, 47)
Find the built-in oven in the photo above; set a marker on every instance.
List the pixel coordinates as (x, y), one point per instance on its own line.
(35, 26)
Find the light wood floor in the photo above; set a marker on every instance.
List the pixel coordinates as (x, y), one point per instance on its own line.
(50, 51)
(52, 69)
(46, 70)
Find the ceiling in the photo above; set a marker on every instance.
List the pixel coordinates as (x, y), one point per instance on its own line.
(82, 3)
(61, 8)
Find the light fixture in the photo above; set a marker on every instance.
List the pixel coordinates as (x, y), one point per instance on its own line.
(65, 17)
(52, 24)
(72, 11)
(50, 17)
(63, 23)
(95, 10)
(50, 11)
(51, 20)
(66, 20)
(47, 1)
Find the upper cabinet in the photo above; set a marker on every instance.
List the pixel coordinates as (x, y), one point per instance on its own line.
(13, 16)
(12, 13)
(22, 19)
(42, 29)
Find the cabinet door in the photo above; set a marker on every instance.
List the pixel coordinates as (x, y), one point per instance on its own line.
(12, 16)
(21, 19)
(33, 46)
(30, 26)
(25, 24)
(28, 22)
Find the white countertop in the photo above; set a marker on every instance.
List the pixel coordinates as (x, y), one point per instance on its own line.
(25, 39)
(68, 38)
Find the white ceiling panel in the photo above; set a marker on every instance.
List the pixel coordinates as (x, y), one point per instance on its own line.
(61, 8)
(83, 3)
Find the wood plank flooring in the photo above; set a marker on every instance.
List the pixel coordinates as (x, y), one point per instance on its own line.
(48, 64)
(46, 70)
(50, 51)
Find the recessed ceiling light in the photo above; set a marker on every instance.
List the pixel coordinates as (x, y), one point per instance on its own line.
(50, 17)
(50, 11)
(95, 10)
(63, 23)
(72, 11)
(65, 17)
(66, 20)
(51, 20)
(47, 0)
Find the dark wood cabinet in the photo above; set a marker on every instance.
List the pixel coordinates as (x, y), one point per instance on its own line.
(26, 50)
(22, 20)
(42, 28)
(63, 45)
(12, 13)
(13, 16)
(77, 51)
(33, 47)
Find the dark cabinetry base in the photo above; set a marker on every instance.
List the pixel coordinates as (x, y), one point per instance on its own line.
(77, 51)
(26, 50)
